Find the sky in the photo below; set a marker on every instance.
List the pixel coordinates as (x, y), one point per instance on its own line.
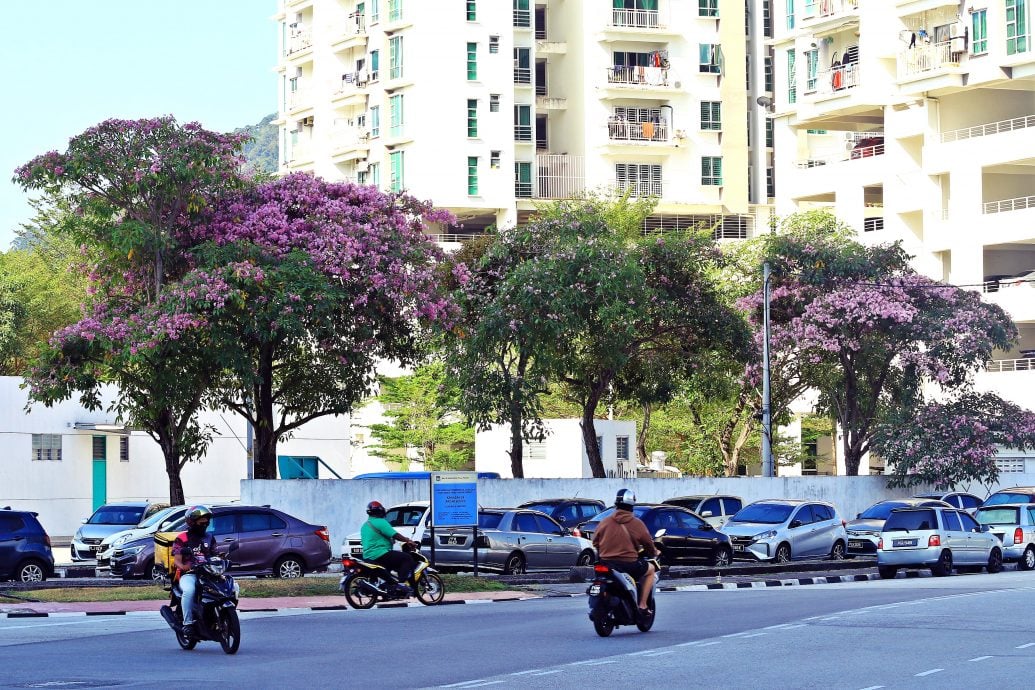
(69, 64)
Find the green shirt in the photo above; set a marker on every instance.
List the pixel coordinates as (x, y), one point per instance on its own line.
(377, 535)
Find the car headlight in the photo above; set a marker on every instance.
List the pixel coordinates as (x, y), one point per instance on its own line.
(765, 535)
(133, 550)
(120, 541)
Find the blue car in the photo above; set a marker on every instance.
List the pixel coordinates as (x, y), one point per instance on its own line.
(25, 553)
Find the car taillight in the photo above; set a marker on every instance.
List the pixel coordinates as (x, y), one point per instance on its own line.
(323, 534)
(844, 524)
(600, 568)
(934, 540)
(348, 563)
(1018, 536)
(880, 544)
(46, 539)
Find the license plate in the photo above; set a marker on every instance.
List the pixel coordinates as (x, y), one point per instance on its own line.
(95, 549)
(594, 590)
(357, 550)
(739, 547)
(904, 542)
(856, 544)
(454, 540)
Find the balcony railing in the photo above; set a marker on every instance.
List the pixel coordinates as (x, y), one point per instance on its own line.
(346, 137)
(1006, 205)
(523, 19)
(854, 154)
(640, 188)
(559, 176)
(523, 190)
(639, 19)
(522, 132)
(355, 25)
(1003, 365)
(522, 75)
(927, 57)
(815, 9)
(645, 76)
(989, 129)
(621, 130)
(299, 40)
(837, 79)
(298, 98)
(351, 80)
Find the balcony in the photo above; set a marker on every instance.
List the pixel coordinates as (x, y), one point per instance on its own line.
(351, 89)
(558, 176)
(523, 76)
(299, 99)
(834, 81)
(522, 19)
(639, 188)
(989, 129)
(643, 81)
(1016, 301)
(910, 7)
(523, 133)
(1007, 365)
(350, 34)
(638, 133)
(349, 143)
(550, 103)
(866, 151)
(821, 16)
(644, 25)
(928, 60)
(299, 41)
(551, 47)
(301, 155)
(1008, 205)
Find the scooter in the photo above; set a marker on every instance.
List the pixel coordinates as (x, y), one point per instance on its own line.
(365, 582)
(215, 607)
(614, 598)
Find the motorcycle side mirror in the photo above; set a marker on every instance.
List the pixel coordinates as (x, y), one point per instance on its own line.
(660, 533)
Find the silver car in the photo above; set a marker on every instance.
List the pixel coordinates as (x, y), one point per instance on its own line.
(107, 520)
(1014, 526)
(783, 529)
(937, 538)
(864, 530)
(510, 540)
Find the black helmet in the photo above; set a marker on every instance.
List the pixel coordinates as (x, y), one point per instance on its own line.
(195, 514)
(625, 500)
(375, 509)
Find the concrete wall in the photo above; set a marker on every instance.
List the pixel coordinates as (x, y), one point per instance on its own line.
(340, 505)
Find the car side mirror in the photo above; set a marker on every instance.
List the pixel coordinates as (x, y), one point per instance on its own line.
(795, 524)
(858, 516)
(706, 513)
(660, 533)
(84, 520)
(707, 526)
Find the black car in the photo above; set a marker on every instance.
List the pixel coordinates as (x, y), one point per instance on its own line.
(570, 512)
(687, 536)
(25, 553)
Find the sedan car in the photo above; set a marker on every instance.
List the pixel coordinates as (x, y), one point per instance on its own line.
(937, 538)
(106, 521)
(864, 531)
(570, 512)
(687, 537)
(1016, 494)
(957, 499)
(1014, 526)
(716, 510)
(783, 529)
(25, 553)
(511, 540)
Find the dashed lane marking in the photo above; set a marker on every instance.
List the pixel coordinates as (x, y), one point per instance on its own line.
(874, 687)
(980, 658)
(1025, 646)
(546, 673)
(928, 672)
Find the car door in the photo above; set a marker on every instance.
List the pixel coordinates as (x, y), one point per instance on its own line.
(260, 538)
(711, 510)
(802, 537)
(698, 535)
(825, 528)
(730, 506)
(978, 542)
(954, 538)
(530, 540)
(10, 542)
(562, 551)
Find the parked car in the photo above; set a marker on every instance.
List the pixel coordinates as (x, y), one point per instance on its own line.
(783, 529)
(158, 522)
(937, 538)
(688, 537)
(269, 542)
(864, 531)
(25, 553)
(408, 519)
(511, 540)
(1014, 526)
(106, 521)
(570, 512)
(716, 510)
(957, 499)
(1016, 494)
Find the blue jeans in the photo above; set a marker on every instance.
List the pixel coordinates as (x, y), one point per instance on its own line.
(188, 584)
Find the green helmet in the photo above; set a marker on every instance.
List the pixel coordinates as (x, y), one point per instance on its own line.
(196, 513)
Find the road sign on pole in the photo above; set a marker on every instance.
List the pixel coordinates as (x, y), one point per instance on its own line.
(454, 503)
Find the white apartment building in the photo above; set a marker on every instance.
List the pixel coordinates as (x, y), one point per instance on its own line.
(488, 106)
(914, 120)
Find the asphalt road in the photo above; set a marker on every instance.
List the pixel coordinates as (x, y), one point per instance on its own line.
(964, 630)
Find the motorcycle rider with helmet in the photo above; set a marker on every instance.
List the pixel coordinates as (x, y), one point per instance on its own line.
(619, 540)
(377, 535)
(190, 548)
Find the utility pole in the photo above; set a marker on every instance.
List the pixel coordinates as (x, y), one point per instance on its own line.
(768, 467)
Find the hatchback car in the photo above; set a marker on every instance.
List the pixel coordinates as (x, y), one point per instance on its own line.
(937, 538)
(25, 553)
(1014, 526)
(957, 499)
(1016, 494)
(716, 510)
(158, 522)
(688, 537)
(783, 529)
(864, 531)
(408, 519)
(510, 540)
(269, 542)
(106, 521)
(570, 512)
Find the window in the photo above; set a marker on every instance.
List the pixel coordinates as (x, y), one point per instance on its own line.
(523, 180)
(224, 524)
(472, 176)
(792, 83)
(397, 183)
(548, 526)
(472, 10)
(375, 11)
(522, 17)
(951, 521)
(395, 115)
(979, 32)
(494, 44)
(711, 115)
(46, 447)
(123, 448)
(1016, 26)
(710, 506)
(375, 121)
(711, 170)
(822, 513)
(640, 179)
(374, 175)
(395, 57)
(525, 522)
(804, 515)
(100, 448)
(395, 10)
(769, 74)
(375, 63)
(969, 501)
(622, 447)
(767, 19)
(732, 505)
(472, 61)
(710, 58)
(522, 65)
(770, 183)
(522, 123)
(790, 14)
(769, 132)
(494, 102)
(260, 522)
(472, 117)
(494, 160)
(812, 64)
(707, 8)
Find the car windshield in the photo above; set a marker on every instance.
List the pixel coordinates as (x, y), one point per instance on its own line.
(1006, 497)
(881, 511)
(489, 520)
(541, 507)
(156, 518)
(765, 513)
(909, 520)
(117, 515)
(638, 511)
(999, 516)
(404, 517)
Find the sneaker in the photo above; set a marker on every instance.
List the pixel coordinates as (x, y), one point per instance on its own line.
(190, 630)
(403, 591)
(642, 615)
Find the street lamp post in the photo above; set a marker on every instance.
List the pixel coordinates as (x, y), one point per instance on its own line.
(768, 468)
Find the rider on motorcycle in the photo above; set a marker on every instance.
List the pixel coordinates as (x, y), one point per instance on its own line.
(619, 540)
(191, 548)
(377, 535)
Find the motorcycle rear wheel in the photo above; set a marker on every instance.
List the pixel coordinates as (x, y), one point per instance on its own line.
(230, 631)
(430, 589)
(604, 625)
(357, 598)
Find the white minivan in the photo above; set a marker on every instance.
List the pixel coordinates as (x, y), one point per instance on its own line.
(408, 519)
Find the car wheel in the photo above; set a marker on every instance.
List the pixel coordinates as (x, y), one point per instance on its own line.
(31, 571)
(887, 572)
(585, 558)
(995, 561)
(944, 565)
(289, 567)
(515, 564)
(721, 557)
(838, 552)
(783, 553)
(1027, 561)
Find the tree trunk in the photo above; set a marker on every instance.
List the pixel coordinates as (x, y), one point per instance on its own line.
(265, 449)
(641, 441)
(589, 436)
(852, 456)
(517, 466)
(171, 454)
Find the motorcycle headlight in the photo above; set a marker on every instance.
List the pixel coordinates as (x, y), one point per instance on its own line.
(765, 535)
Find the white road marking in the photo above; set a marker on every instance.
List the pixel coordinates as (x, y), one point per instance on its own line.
(927, 673)
(523, 673)
(51, 625)
(758, 634)
(795, 625)
(546, 673)
(874, 687)
(709, 644)
(1025, 646)
(660, 652)
(980, 658)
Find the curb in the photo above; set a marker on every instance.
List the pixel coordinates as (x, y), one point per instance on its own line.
(763, 584)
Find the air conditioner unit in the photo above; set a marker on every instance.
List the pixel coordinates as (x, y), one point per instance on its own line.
(307, 121)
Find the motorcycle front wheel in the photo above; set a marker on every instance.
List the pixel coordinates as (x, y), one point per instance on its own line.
(187, 643)
(229, 630)
(648, 621)
(430, 589)
(356, 593)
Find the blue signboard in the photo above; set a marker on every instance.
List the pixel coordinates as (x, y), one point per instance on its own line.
(454, 499)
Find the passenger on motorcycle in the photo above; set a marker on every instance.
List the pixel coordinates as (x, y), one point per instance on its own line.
(191, 548)
(377, 535)
(620, 539)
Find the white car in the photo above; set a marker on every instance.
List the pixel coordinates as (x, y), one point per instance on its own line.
(783, 529)
(408, 519)
(159, 522)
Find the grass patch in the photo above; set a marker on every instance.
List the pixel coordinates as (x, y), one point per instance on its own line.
(267, 587)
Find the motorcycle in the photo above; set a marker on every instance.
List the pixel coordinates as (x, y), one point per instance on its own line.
(215, 607)
(365, 583)
(614, 598)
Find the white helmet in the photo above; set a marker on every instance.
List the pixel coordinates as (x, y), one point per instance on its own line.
(625, 500)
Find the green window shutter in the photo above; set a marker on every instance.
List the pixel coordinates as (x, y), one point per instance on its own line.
(375, 121)
(472, 10)
(395, 57)
(472, 175)
(472, 117)
(472, 61)
(397, 182)
(395, 107)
